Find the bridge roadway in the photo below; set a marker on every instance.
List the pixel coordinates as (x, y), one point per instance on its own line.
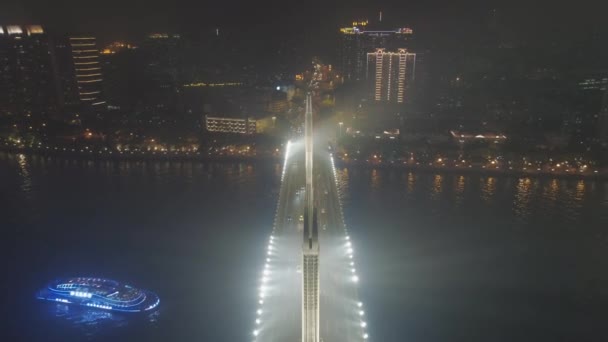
(281, 310)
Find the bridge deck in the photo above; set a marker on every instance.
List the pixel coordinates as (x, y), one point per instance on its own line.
(339, 311)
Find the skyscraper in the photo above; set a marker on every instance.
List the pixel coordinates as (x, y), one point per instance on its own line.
(26, 72)
(603, 120)
(87, 72)
(360, 39)
(162, 56)
(390, 74)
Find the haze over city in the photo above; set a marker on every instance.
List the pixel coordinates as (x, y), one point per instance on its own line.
(306, 172)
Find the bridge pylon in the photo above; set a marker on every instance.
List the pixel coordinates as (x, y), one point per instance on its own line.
(310, 244)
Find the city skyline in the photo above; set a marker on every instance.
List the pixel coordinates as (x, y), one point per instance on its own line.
(281, 172)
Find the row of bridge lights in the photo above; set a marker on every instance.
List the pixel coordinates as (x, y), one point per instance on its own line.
(350, 251)
(269, 253)
(285, 162)
(264, 286)
(355, 279)
(267, 272)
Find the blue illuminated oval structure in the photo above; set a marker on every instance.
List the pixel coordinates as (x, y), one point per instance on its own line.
(99, 293)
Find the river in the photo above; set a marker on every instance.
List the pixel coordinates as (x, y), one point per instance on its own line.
(442, 257)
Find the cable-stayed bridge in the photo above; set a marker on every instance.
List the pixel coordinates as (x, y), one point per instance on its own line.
(308, 286)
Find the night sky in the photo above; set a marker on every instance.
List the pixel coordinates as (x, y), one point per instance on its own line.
(436, 21)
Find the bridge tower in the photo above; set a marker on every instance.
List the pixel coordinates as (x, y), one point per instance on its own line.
(310, 245)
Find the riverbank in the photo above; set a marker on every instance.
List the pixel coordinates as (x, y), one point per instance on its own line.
(601, 176)
(107, 154)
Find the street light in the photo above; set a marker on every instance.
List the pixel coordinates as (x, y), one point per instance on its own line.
(340, 124)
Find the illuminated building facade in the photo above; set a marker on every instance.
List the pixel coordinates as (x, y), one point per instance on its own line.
(358, 40)
(390, 74)
(230, 125)
(26, 72)
(87, 71)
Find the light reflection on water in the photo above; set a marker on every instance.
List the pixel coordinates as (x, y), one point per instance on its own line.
(161, 224)
(526, 194)
(92, 322)
(427, 235)
(488, 188)
(580, 191)
(522, 198)
(410, 182)
(375, 180)
(459, 190)
(511, 248)
(437, 186)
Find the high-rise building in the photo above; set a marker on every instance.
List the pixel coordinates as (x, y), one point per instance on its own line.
(603, 120)
(162, 55)
(358, 40)
(26, 72)
(79, 76)
(390, 74)
(87, 72)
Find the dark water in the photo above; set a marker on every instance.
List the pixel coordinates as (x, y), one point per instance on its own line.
(442, 257)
